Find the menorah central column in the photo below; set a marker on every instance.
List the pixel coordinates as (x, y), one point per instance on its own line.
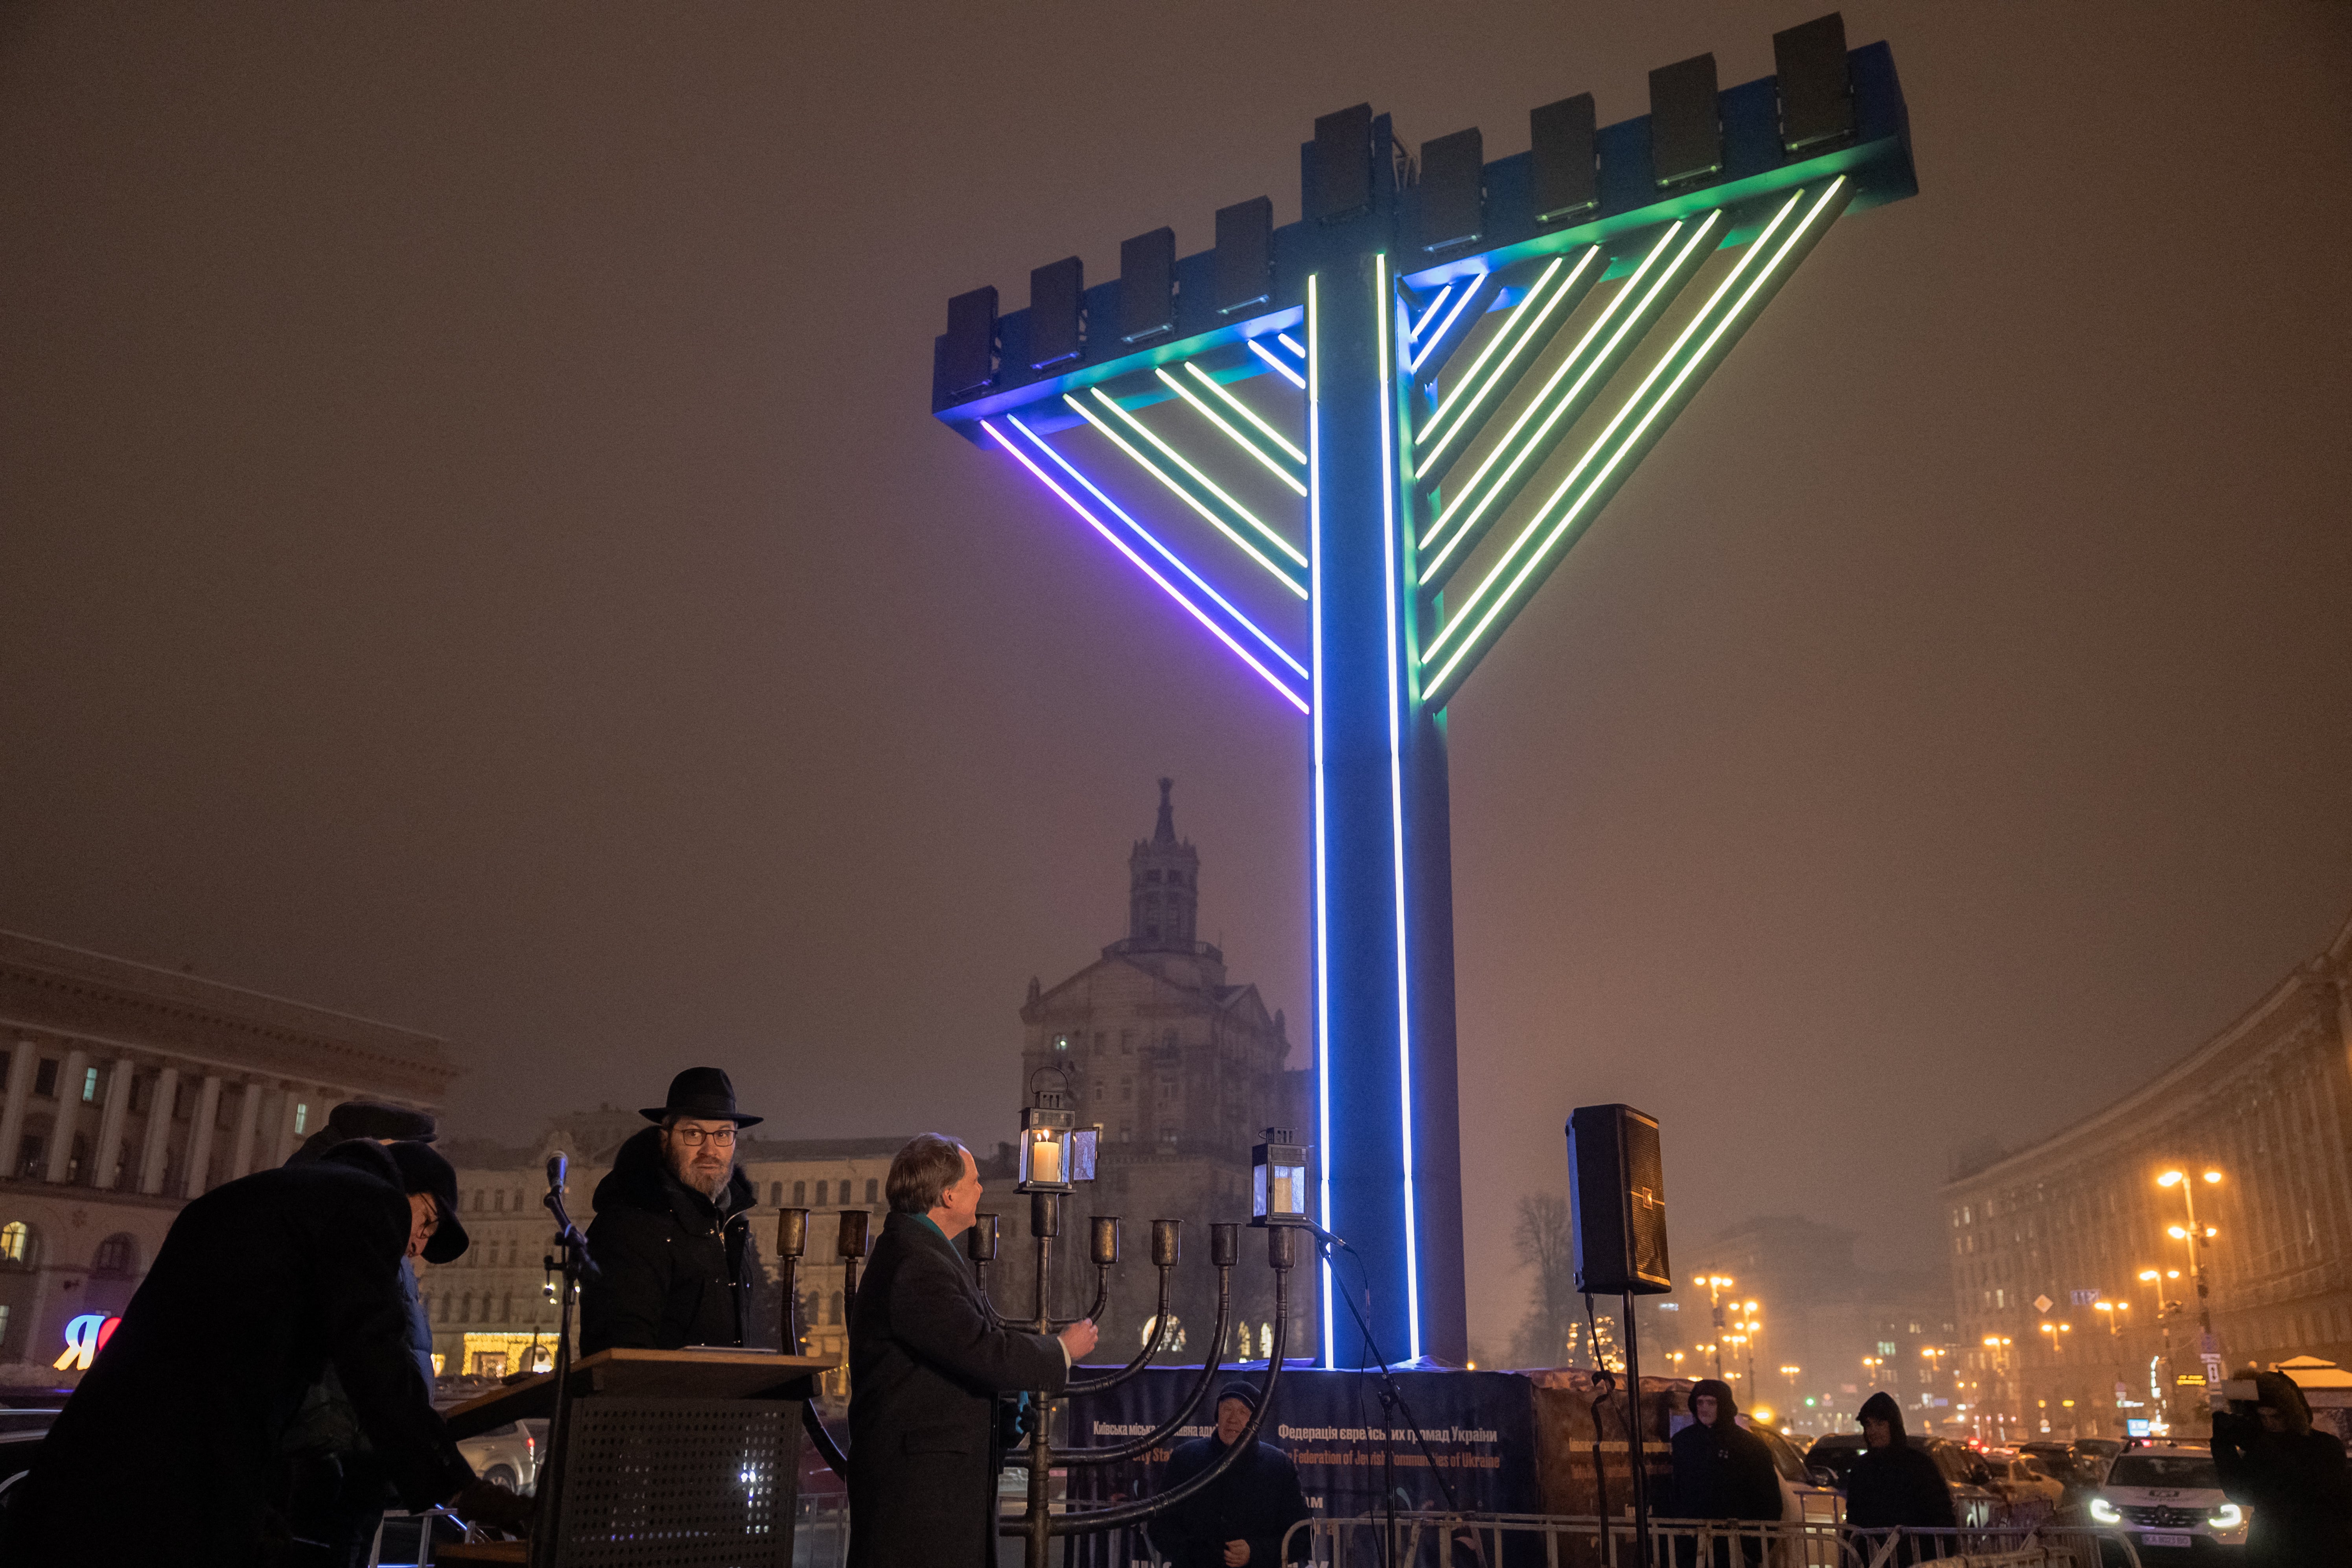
(1389, 1141)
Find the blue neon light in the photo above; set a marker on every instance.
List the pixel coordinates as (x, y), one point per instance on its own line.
(1468, 292)
(1145, 566)
(1413, 336)
(1187, 497)
(1386, 303)
(1289, 375)
(1322, 861)
(1145, 534)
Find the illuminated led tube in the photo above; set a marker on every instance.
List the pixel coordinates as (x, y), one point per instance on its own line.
(1518, 334)
(1434, 306)
(1468, 293)
(1286, 340)
(1041, 445)
(1198, 477)
(1146, 568)
(1322, 856)
(1243, 442)
(1184, 495)
(1487, 603)
(1597, 350)
(1288, 375)
(1246, 411)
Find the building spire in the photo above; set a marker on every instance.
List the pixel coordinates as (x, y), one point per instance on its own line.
(1165, 832)
(1163, 881)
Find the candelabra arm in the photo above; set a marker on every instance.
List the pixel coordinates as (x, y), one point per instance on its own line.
(1151, 1347)
(1102, 1299)
(988, 1302)
(1211, 1365)
(1074, 1523)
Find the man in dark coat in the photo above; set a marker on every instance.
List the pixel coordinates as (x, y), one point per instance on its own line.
(672, 1237)
(1893, 1483)
(2290, 1478)
(1239, 1519)
(926, 1365)
(1722, 1470)
(169, 1449)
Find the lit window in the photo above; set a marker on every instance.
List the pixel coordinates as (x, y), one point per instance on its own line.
(1061, 1041)
(15, 1241)
(90, 1086)
(301, 1120)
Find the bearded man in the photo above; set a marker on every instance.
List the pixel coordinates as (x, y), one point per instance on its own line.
(672, 1237)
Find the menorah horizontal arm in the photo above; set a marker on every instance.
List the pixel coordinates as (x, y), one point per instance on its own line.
(1211, 1365)
(1151, 1345)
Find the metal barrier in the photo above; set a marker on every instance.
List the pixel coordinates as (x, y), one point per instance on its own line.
(1522, 1541)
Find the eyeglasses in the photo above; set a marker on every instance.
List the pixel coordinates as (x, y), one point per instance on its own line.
(695, 1137)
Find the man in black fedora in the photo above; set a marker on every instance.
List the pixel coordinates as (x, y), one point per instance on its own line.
(672, 1237)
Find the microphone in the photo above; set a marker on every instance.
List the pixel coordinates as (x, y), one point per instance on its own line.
(558, 1167)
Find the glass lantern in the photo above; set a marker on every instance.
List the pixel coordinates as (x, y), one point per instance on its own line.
(1278, 1179)
(1048, 1136)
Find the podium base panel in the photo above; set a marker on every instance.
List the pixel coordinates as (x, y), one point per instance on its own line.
(683, 1483)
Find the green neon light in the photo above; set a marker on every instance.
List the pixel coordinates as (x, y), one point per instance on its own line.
(1616, 321)
(1246, 412)
(1648, 408)
(1186, 496)
(1243, 442)
(1521, 333)
(1199, 478)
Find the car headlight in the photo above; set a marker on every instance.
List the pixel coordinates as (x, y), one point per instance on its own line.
(2104, 1511)
(2229, 1516)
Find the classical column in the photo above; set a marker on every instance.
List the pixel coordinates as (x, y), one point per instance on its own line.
(68, 1113)
(200, 1138)
(248, 1116)
(118, 1075)
(282, 1139)
(23, 1059)
(156, 1153)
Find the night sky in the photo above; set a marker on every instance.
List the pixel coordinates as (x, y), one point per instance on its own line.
(474, 551)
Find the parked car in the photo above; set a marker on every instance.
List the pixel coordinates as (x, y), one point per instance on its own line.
(1974, 1503)
(506, 1456)
(2024, 1482)
(2168, 1497)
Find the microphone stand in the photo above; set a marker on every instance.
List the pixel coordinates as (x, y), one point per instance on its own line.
(572, 1257)
(1392, 1403)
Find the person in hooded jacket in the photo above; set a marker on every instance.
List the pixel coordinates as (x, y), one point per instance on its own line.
(1239, 1519)
(1722, 1470)
(170, 1449)
(2291, 1480)
(676, 1264)
(1892, 1483)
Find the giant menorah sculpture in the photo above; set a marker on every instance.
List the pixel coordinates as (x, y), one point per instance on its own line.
(1426, 382)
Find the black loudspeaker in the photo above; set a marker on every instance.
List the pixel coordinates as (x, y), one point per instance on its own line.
(1057, 299)
(1617, 1188)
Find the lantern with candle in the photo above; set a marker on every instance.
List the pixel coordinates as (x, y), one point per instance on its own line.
(1278, 1179)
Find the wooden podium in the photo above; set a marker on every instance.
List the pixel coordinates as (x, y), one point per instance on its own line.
(684, 1459)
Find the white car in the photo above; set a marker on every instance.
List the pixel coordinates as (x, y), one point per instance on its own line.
(2169, 1498)
(2023, 1479)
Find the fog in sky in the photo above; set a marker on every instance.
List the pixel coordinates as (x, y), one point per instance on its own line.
(474, 551)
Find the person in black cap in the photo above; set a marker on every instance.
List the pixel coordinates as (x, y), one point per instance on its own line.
(170, 1449)
(386, 1124)
(676, 1265)
(1240, 1518)
(1722, 1471)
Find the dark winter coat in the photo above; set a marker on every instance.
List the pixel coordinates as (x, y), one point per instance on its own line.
(926, 1365)
(674, 1268)
(2294, 1490)
(169, 1450)
(1256, 1501)
(1896, 1485)
(1722, 1471)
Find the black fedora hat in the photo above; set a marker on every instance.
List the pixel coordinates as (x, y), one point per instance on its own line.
(703, 1093)
(424, 1171)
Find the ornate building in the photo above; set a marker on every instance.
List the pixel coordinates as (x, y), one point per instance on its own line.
(2051, 1245)
(1183, 1071)
(131, 1089)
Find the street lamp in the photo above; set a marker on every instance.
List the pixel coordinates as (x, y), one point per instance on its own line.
(2197, 1240)
(2114, 1312)
(1714, 1285)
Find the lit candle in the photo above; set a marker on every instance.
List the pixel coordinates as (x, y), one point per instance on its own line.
(1286, 1191)
(1046, 1158)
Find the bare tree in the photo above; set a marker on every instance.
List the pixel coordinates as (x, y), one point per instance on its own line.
(1540, 1238)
